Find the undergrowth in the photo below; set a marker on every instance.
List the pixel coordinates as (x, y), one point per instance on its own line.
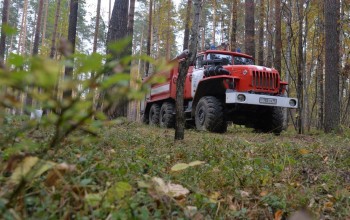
(245, 175)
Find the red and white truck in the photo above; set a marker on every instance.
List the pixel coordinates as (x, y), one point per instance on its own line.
(221, 87)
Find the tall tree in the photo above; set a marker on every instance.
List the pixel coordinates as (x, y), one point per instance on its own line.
(261, 33)
(38, 28)
(23, 33)
(45, 22)
(118, 29)
(97, 25)
(187, 24)
(300, 67)
(54, 33)
(233, 37)
(249, 39)
(5, 17)
(184, 66)
(332, 68)
(214, 22)
(278, 37)
(72, 33)
(131, 18)
(149, 36)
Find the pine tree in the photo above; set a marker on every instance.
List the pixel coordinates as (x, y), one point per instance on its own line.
(54, 34)
(249, 39)
(5, 17)
(38, 28)
(72, 32)
(332, 108)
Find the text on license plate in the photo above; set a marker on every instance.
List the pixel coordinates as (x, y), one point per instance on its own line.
(270, 101)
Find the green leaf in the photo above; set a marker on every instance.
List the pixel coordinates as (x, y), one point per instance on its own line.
(9, 30)
(118, 191)
(93, 199)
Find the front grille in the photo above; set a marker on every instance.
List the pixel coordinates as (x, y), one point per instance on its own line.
(265, 80)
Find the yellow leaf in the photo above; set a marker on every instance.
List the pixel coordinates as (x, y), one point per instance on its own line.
(30, 168)
(179, 166)
(196, 163)
(304, 151)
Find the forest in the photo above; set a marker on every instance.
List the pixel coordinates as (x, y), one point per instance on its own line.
(72, 141)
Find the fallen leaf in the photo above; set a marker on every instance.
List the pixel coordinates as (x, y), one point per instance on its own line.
(172, 190)
(93, 199)
(263, 193)
(196, 163)
(183, 166)
(190, 211)
(304, 151)
(57, 173)
(244, 193)
(118, 191)
(30, 168)
(278, 215)
(179, 166)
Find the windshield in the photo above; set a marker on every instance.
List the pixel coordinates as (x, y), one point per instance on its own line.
(226, 59)
(243, 61)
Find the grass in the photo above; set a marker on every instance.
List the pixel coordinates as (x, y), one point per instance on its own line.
(245, 176)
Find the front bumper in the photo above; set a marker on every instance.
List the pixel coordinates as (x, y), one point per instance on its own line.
(233, 97)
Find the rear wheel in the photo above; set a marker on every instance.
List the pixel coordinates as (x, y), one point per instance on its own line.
(210, 115)
(167, 116)
(153, 114)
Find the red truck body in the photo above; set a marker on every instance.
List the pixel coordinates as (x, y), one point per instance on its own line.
(226, 83)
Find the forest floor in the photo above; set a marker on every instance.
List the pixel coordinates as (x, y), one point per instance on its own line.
(129, 173)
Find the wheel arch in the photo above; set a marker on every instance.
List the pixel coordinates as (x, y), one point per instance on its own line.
(209, 87)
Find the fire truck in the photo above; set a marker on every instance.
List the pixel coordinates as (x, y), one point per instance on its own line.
(221, 87)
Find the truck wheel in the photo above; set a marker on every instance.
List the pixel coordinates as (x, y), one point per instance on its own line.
(270, 121)
(153, 114)
(167, 117)
(210, 116)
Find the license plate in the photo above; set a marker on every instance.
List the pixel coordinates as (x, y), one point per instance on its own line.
(270, 101)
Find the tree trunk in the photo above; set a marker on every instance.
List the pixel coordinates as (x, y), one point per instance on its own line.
(278, 39)
(54, 33)
(180, 114)
(300, 68)
(233, 38)
(269, 57)
(118, 29)
(148, 49)
(332, 109)
(97, 25)
(5, 18)
(72, 32)
(288, 57)
(187, 24)
(214, 23)
(45, 22)
(249, 40)
(23, 34)
(109, 12)
(131, 18)
(38, 28)
(261, 33)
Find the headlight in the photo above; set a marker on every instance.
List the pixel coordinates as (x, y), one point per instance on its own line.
(292, 102)
(241, 97)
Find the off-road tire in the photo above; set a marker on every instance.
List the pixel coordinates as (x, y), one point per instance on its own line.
(210, 116)
(167, 116)
(270, 121)
(153, 115)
